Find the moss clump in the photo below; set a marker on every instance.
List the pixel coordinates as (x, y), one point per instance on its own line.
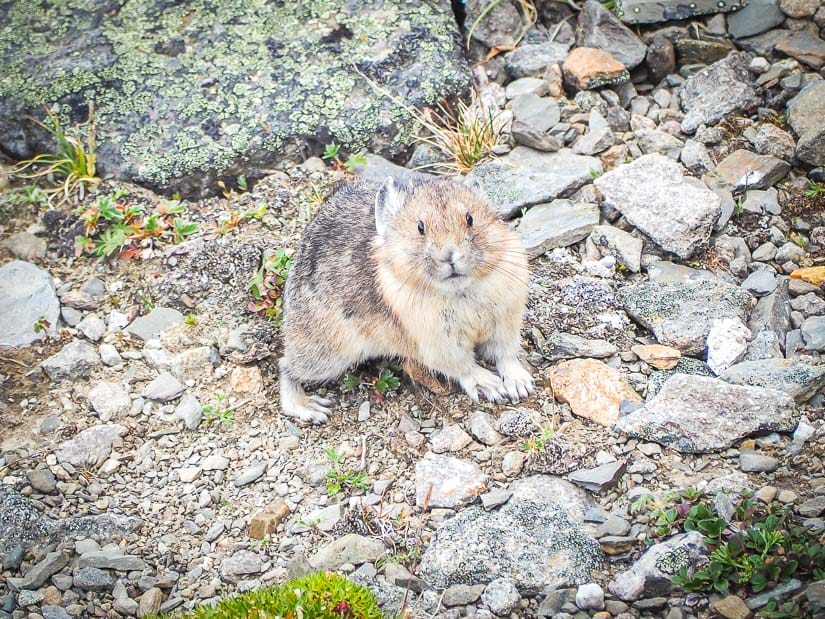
(322, 595)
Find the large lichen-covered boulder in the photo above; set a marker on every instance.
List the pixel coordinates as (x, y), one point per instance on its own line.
(187, 93)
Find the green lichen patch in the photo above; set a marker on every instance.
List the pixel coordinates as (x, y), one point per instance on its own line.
(187, 93)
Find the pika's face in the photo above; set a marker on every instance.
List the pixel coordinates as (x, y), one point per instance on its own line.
(443, 234)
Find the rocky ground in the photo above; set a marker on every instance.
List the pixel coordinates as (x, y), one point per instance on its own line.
(664, 180)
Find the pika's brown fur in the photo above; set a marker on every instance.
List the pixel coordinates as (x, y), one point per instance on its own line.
(425, 272)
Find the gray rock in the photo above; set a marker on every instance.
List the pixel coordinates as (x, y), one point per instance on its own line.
(54, 612)
(771, 140)
(501, 596)
(149, 327)
(798, 380)
(532, 60)
(536, 538)
(70, 316)
(164, 388)
(755, 18)
(816, 592)
(809, 304)
(686, 365)
(694, 414)
(599, 28)
(377, 169)
(664, 272)
(25, 245)
(557, 224)
(525, 177)
(805, 47)
(696, 158)
(109, 400)
(625, 248)
(25, 526)
(482, 427)
(651, 574)
(760, 283)
(461, 595)
(215, 462)
(250, 474)
(590, 596)
(778, 593)
(716, 91)
(529, 136)
(166, 119)
(526, 85)
(681, 315)
(806, 115)
(93, 327)
(42, 480)
(727, 343)
(646, 12)
(111, 560)
(29, 598)
(442, 481)
(518, 422)
(599, 478)
(499, 27)
(76, 359)
(109, 355)
(769, 321)
(812, 508)
(789, 252)
(241, 563)
(765, 252)
(352, 548)
(813, 333)
(190, 411)
(676, 211)
(13, 558)
(751, 462)
(449, 438)
(90, 447)
(540, 113)
(495, 498)
(93, 579)
(38, 574)
(743, 169)
(594, 142)
(760, 202)
(560, 346)
(655, 141)
(26, 294)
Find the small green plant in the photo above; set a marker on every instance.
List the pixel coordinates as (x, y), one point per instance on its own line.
(41, 325)
(799, 239)
(321, 595)
(191, 320)
(814, 190)
(218, 411)
(30, 195)
(753, 548)
(538, 442)
(260, 544)
(267, 286)
(740, 208)
(594, 173)
(332, 153)
(338, 479)
(71, 170)
(385, 382)
(226, 223)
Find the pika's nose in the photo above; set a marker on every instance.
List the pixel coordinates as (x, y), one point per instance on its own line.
(450, 254)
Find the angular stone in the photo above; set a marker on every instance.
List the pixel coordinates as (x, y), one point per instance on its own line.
(266, 521)
(482, 427)
(676, 211)
(190, 411)
(241, 563)
(647, 12)
(26, 294)
(449, 438)
(757, 463)
(655, 141)
(727, 343)
(42, 480)
(532, 60)
(813, 333)
(680, 315)
(25, 245)
(593, 390)
(806, 47)
(798, 380)
(76, 359)
(560, 346)
(93, 579)
(541, 113)
(500, 25)
(149, 327)
(693, 414)
(111, 560)
(290, 79)
(599, 478)
(651, 574)
(806, 115)
(624, 247)
(150, 602)
(594, 142)
(586, 68)
(38, 574)
(658, 356)
(250, 474)
(536, 538)
(743, 169)
(813, 275)
(754, 18)
(600, 29)
(501, 596)
(771, 140)
(352, 548)
(461, 595)
(442, 481)
(109, 400)
(525, 177)
(717, 91)
(557, 224)
(761, 202)
(91, 447)
(164, 388)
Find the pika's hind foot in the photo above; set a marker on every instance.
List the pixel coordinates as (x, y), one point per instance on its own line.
(518, 383)
(484, 382)
(296, 403)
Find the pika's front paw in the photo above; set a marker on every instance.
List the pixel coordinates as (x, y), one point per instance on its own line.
(485, 382)
(518, 383)
(311, 409)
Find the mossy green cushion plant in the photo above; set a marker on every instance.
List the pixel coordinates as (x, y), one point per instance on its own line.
(322, 595)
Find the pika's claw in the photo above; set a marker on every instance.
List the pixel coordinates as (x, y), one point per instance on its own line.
(324, 402)
(485, 382)
(518, 383)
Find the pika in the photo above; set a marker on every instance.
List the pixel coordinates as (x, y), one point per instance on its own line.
(423, 271)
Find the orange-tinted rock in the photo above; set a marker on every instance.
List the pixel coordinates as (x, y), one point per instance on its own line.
(660, 357)
(593, 390)
(812, 275)
(587, 68)
(266, 521)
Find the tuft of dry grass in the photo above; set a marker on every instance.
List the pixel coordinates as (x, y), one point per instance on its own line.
(71, 171)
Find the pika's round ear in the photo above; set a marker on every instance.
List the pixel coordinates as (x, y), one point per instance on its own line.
(388, 201)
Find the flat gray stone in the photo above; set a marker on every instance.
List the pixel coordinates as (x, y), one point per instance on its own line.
(557, 224)
(75, 360)
(148, 327)
(559, 346)
(354, 549)
(90, 447)
(93, 579)
(686, 365)
(443, 481)
(599, 478)
(624, 247)
(599, 28)
(693, 414)
(751, 462)
(532, 59)
(813, 333)
(759, 283)
(806, 115)
(525, 177)
(756, 17)
(109, 400)
(190, 411)
(26, 294)
(25, 245)
(714, 92)
(38, 574)
(536, 538)
(647, 12)
(743, 169)
(676, 211)
(92, 327)
(540, 113)
(164, 388)
(250, 474)
(681, 315)
(241, 563)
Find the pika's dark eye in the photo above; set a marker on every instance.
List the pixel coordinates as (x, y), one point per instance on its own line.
(469, 219)
(420, 227)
